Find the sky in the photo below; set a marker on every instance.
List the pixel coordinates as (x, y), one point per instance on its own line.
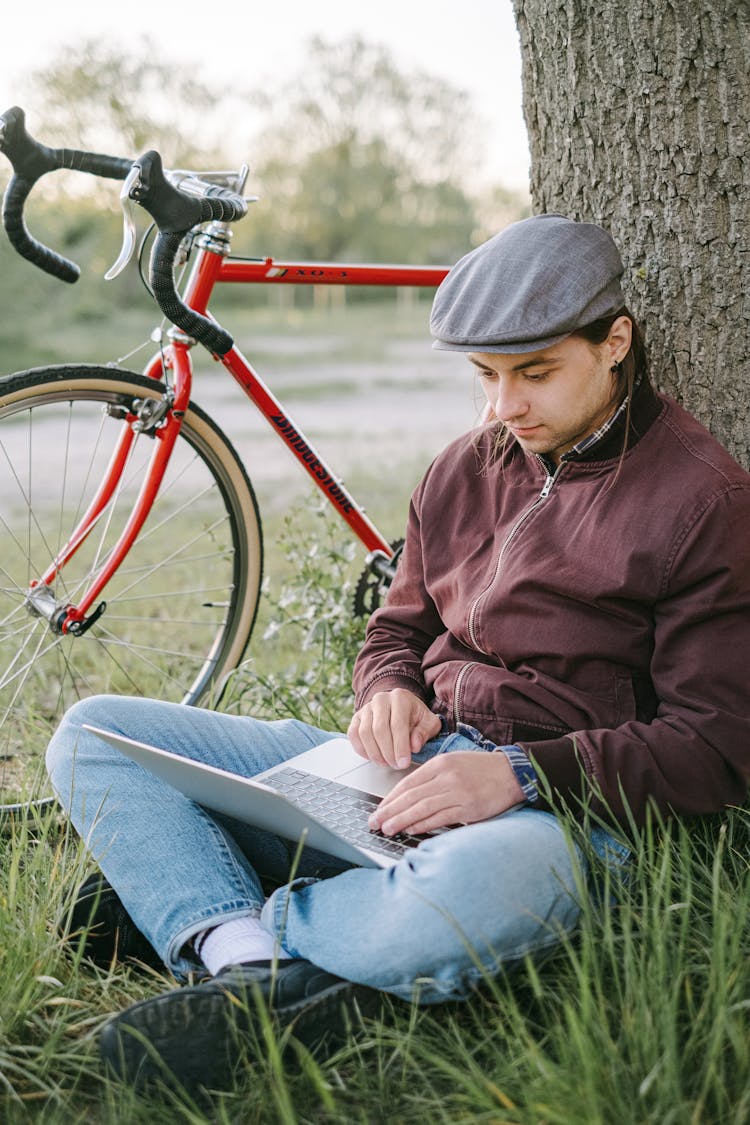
(473, 44)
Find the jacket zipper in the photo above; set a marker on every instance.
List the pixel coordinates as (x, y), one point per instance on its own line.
(546, 489)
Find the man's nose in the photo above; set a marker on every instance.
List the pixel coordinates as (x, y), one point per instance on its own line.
(510, 401)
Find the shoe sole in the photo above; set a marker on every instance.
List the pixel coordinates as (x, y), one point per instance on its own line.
(198, 1039)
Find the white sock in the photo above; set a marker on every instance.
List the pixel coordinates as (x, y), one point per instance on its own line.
(236, 941)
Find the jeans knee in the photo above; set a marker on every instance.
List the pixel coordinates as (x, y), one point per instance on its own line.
(67, 741)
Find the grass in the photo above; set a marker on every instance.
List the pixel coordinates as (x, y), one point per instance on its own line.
(641, 1017)
(276, 334)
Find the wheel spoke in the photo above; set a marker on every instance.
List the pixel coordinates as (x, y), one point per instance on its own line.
(24, 671)
(182, 560)
(113, 645)
(174, 554)
(201, 591)
(162, 620)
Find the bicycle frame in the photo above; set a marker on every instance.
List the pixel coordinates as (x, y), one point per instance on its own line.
(212, 267)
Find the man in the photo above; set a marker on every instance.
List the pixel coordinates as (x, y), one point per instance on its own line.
(569, 628)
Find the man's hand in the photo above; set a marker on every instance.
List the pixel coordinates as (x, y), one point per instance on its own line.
(455, 788)
(391, 727)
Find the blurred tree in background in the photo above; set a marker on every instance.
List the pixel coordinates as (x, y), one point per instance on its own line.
(360, 160)
(103, 99)
(353, 158)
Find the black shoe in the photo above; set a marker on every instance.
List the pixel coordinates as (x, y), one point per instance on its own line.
(194, 1035)
(111, 934)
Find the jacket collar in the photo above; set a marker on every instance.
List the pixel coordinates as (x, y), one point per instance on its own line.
(607, 442)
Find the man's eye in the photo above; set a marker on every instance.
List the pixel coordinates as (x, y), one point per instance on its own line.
(537, 377)
(486, 373)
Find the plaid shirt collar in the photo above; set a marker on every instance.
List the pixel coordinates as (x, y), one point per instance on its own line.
(591, 439)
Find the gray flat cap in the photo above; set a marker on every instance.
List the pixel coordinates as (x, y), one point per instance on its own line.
(528, 287)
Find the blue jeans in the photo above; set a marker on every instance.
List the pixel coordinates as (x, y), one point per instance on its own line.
(448, 915)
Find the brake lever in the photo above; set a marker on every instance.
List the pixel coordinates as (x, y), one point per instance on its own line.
(128, 224)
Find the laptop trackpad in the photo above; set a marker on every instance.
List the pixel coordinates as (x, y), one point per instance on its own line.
(372, 778)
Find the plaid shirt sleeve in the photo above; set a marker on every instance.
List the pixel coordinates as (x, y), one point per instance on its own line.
(527, 776)
(525, 773)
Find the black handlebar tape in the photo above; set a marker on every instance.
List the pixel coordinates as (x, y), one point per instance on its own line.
(30, 161)
(24, 243)
(175, 211)
(205, 331)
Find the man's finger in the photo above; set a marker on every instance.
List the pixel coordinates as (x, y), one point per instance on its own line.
(414, 789)
(428, 727)
(382, 731)
(433, 811)
(353, 734)
(404, 719)
(365, 740)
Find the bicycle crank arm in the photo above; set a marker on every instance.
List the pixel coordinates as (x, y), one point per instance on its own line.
(378, 563)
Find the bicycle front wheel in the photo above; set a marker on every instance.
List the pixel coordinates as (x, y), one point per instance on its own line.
(181, 607)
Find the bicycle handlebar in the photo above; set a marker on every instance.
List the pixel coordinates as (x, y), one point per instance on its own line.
(175, 210)
(30, 161)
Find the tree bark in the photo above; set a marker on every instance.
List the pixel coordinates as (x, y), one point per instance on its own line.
(638, 113)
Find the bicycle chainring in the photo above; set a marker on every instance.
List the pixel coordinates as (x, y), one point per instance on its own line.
(371, 588)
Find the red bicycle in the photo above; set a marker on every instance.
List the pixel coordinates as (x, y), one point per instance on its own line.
(131, 555)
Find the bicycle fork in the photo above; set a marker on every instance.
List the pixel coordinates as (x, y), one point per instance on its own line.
(162, 420)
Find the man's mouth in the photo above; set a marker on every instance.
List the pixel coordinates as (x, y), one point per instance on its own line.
(523, 431)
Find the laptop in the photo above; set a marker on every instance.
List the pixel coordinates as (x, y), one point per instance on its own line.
(321, 798)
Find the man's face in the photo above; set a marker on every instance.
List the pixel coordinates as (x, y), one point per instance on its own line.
(551, 399)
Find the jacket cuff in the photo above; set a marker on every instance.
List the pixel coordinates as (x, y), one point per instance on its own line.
(389, 681)
(558, 764)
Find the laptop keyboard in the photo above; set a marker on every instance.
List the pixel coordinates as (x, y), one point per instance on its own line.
(342, 809)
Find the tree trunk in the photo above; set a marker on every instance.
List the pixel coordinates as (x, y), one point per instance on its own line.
(638, 114)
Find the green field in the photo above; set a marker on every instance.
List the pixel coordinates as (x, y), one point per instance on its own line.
(641, 1018)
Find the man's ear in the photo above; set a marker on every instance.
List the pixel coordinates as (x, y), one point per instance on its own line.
(620, 338)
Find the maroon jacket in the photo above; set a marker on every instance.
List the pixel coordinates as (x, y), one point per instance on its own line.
(601, 620)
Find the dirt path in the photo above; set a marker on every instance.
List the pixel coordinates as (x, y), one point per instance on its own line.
(375, 418)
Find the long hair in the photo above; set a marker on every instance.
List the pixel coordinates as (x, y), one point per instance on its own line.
(634, 364)
(631, 370)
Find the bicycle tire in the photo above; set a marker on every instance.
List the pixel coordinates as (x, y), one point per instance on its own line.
(166, 631)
